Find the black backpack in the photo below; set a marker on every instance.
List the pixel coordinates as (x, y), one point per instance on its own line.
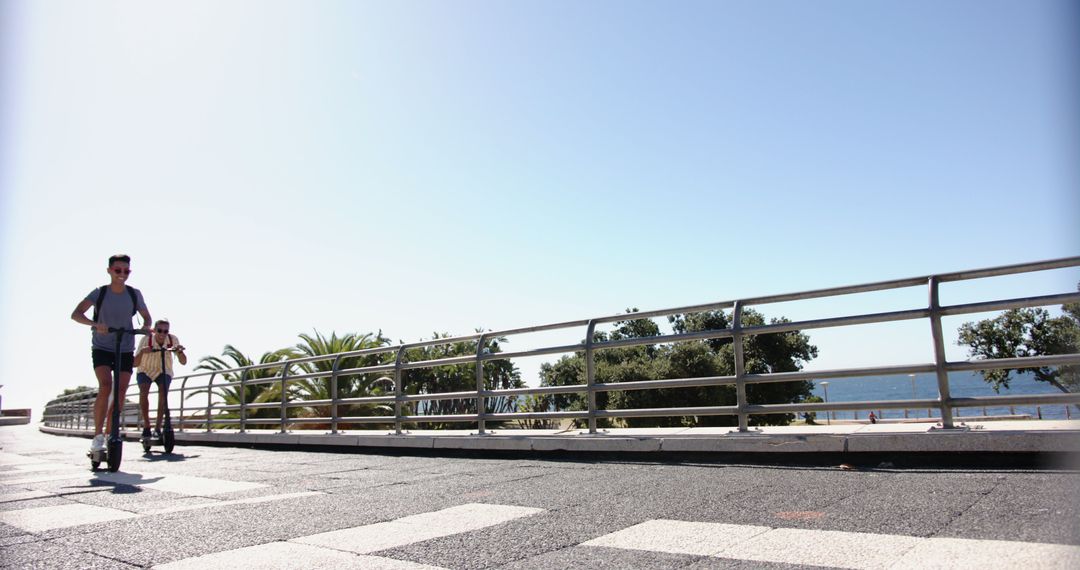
(101, 299)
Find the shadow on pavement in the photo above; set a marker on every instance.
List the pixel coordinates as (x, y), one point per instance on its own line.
(155, 457)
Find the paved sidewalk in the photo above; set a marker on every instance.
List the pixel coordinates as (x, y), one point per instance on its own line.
(1020, 436)
(227, 506)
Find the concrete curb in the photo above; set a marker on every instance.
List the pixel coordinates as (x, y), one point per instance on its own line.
(994, 437)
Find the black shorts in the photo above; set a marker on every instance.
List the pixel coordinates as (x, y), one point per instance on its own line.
(107, 358)
(162, 379)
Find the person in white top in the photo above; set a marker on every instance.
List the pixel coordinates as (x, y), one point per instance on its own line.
(154, 360)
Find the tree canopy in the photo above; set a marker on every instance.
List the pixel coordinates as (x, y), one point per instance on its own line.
(1027, 332)
(498, 374)
(76, 390)
(764, 353)
(779, 352)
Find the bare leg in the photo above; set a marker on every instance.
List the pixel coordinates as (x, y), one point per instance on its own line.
(101, 403)
(144, 404)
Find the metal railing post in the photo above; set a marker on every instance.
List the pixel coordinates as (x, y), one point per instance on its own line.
(183, 386)
(740, 366)
(398, 389)
(284, 397)
(944, 395)
(480, 408)
(243, 401)
(334, 396)
(590, 374)
(209, 396)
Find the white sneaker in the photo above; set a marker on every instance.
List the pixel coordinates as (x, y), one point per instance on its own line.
(99, 443)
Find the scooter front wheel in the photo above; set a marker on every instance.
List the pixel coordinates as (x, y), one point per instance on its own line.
(96, 457)
(116, 450)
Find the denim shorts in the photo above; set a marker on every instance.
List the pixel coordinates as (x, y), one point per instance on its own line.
(108, 358)
(162, 379)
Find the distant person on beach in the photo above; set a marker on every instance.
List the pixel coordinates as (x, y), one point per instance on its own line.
(154, 360)
(114, 306)
(873, 418)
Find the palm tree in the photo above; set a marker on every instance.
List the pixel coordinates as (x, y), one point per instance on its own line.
(349, 385)
(232, 358)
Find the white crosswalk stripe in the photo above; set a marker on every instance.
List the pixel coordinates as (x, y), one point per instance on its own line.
(355, 543)
(25, 470)
(416, 528)
(61, 516)
(182, 484)
(40, 519)
(24, 496)
(289, 556)
(835, 548)
(248, 501)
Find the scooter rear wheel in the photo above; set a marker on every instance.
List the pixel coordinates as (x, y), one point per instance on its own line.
(168, 439)
(116, 450)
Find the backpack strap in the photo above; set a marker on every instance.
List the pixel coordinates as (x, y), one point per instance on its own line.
(101, 299)
(134, 300)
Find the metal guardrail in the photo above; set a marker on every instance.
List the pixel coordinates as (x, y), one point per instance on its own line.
(75, 410)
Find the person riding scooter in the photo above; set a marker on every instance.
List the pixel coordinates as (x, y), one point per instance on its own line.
(154, 360)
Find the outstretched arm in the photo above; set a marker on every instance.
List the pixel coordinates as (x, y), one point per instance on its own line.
(147, 322)
(79, 316)
(180, 352)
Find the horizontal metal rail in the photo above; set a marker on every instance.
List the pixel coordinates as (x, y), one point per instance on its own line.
(405, 402)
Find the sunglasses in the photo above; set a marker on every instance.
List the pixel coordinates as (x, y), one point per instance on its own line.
(162, 331)
(120, 271)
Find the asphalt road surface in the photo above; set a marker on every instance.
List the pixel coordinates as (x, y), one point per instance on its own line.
(209, 507)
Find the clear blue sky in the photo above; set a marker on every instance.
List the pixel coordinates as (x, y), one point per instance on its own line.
(279, 167)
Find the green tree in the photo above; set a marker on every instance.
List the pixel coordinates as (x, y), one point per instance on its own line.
(252, 393)
(1027, 332)
(498, 374)
(349, 385)
(535, 403)
(76, 390)
(779, 352)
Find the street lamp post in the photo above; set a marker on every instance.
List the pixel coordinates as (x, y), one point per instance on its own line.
(913, 397)
(828, 414)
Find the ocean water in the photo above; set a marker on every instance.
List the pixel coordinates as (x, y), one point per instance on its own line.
(962, 384)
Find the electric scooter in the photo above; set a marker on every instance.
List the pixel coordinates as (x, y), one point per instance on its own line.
(114, 448)
(167, 439)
